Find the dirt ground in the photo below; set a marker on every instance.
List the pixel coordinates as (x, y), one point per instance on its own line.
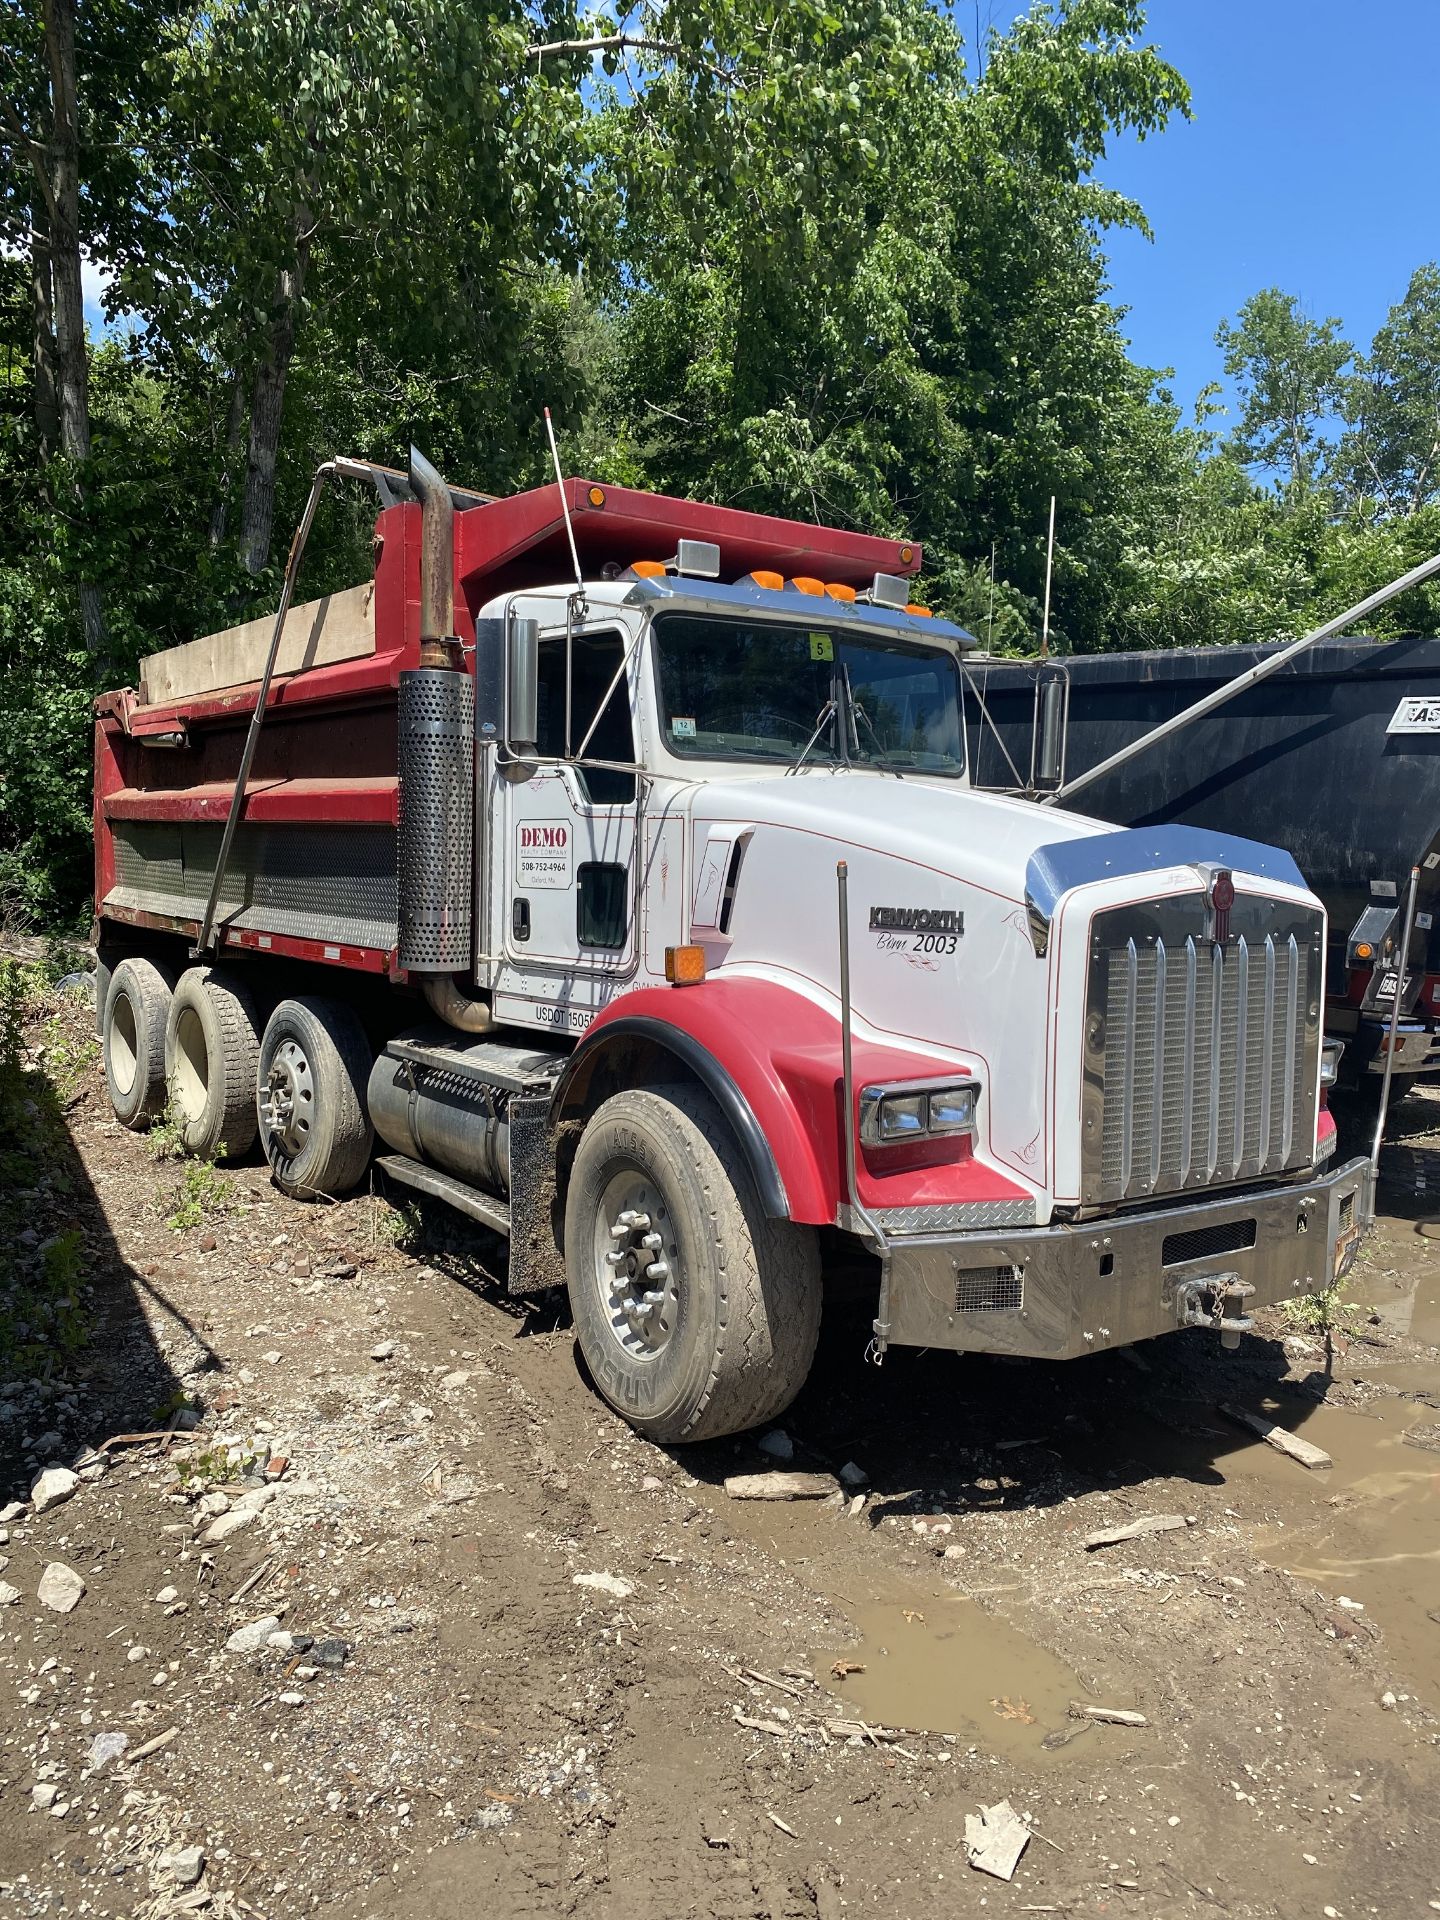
(497, 1733)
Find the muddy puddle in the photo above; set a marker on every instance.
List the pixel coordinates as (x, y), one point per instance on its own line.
(1368, 1527)
(941, 1664)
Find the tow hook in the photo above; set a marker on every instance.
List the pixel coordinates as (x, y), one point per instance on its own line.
(1215, 1300)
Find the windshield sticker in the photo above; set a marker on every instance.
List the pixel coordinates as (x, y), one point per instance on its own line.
(822, 647)
(683, 728)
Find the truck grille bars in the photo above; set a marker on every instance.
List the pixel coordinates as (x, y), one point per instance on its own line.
(1202, 1058)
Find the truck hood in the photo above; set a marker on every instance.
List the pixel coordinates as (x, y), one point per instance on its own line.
(985, 840)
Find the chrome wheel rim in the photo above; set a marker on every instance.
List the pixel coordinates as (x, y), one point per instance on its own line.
(287, 1098)
(636, 1265)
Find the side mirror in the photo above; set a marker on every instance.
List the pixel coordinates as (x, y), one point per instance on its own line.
(522, 684)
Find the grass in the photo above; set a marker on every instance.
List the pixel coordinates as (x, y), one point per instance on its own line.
(1325, 1312)
(400, 1227)
(201, 1195)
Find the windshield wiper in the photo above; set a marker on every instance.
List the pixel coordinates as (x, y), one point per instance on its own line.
(855, 712)
(827, 714)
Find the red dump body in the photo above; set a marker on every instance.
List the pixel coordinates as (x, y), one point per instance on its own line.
(326, 757)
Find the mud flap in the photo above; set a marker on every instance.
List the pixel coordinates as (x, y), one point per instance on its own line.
(536, 1262)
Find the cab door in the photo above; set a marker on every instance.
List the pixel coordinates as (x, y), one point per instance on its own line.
(564, 868)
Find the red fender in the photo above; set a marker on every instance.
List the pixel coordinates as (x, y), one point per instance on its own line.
(772, 1059)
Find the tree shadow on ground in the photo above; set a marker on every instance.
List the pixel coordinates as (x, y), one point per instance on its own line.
(89, 1346)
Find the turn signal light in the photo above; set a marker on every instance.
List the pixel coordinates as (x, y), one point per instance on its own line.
(684, 966)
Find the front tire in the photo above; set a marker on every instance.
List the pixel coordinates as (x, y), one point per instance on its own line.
(310, 1097)
(696, 1314)
(133, 1016)
(212, 1043)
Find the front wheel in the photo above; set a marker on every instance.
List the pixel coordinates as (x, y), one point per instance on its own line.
(696, 1314)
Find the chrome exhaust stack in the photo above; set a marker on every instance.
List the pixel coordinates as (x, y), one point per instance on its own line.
(435, 852)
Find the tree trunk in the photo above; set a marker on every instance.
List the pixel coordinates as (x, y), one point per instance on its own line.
(266, 408)
(71, 355)
(47, 398)
(234, 426)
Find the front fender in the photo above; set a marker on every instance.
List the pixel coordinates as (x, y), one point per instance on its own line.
(771, 1060)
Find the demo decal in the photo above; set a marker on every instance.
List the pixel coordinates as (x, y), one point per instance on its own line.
(542, 854)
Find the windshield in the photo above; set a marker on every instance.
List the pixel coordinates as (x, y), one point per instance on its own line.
(760, 690)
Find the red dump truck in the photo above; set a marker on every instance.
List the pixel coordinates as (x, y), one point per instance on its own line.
(613, 859)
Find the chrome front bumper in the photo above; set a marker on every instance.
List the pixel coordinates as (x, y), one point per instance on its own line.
(1058, 1292)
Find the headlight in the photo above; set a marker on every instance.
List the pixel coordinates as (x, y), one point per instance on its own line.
(1330, 1053)
(891, 1116)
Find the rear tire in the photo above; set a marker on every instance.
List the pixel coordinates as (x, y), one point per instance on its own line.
(133, 1014)
(706, 1322)
(212, 1045)
(310, 1097)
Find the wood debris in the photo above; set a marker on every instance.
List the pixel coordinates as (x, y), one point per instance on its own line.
(1136, 1530)
(995, 1838)
(1112, 1716)
(1283, 1441)
(760, 1726)
(842, 1669)
(783, 1825)
(781, 1486)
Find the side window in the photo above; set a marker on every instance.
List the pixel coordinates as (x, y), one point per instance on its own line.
(597, 658)
(601, 915)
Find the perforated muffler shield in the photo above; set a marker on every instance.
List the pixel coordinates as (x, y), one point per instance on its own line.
(435, 848)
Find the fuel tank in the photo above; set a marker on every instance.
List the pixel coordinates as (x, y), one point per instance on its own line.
(443, 1101)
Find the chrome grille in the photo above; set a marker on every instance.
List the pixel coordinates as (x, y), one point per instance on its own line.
(1202, 1058)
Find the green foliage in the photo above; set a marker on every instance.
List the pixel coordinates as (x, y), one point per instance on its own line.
(1290, 375)
(201, 1195)
(1326, 1312)
(401, 1227)
(834, 263)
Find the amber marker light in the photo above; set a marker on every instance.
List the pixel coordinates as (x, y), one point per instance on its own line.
(920, 613)
(803, 583)
(1364, 950)
(648, 569)
(764, 578)
(684, 966)
(596, 496)
(838, 592)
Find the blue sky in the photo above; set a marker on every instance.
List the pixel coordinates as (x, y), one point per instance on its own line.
(1311, 164)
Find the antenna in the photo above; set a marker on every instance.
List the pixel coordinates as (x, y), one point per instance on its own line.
(990, 624)
(1049, 564)
(565, 504)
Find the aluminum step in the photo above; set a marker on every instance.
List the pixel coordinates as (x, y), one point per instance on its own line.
(507, 1069)
(484, 1207)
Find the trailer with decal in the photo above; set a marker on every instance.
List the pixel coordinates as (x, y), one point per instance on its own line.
(611, 864)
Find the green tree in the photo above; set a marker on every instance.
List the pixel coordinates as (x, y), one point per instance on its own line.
(1290, 372)
(1391, 451)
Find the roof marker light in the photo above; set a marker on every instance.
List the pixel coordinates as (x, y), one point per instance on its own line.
(763, 578)
(920, 613)
(838, 591)
(805, 583)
